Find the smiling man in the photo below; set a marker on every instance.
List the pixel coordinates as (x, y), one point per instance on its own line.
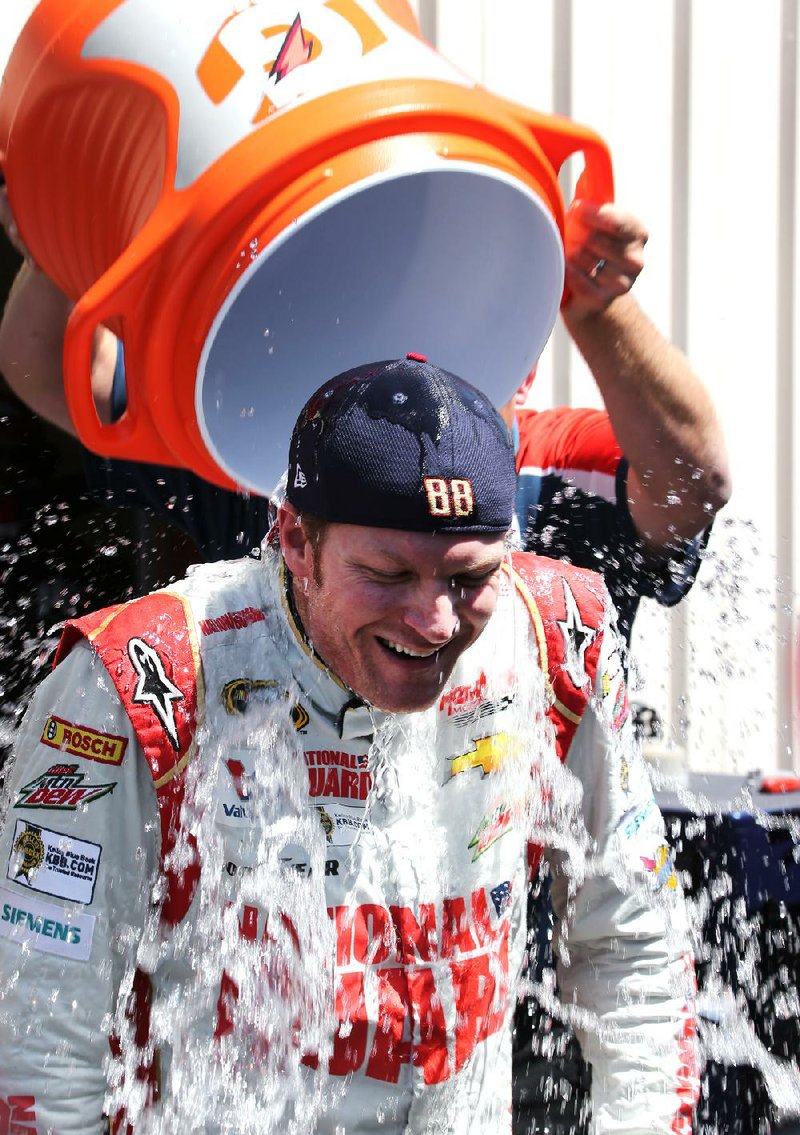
(271, 828)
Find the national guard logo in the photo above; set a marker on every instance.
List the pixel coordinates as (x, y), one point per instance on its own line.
(28, 847)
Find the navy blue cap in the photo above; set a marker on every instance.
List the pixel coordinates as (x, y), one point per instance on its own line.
(403, 444)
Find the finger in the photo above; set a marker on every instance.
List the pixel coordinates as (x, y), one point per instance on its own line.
(625, 261)
(608, 219)
(596, 292)
(600, 277)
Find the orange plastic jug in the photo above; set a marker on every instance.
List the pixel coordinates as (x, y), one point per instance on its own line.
(255, 198)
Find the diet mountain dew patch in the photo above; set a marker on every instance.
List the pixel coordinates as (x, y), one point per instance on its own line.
(45, 927)
(61, 788)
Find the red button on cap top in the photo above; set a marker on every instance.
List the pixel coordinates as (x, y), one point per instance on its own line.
(416, 357)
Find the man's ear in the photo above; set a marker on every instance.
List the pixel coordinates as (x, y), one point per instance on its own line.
(295, 544)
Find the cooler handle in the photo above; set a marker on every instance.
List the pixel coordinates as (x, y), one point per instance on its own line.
(135, 432)
(560, 138)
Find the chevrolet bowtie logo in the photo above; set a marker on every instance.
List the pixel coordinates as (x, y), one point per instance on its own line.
(489, 755)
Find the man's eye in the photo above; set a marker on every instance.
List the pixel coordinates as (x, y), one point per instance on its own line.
(388, 577)
(472, 580)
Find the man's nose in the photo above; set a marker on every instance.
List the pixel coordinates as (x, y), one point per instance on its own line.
(432, 614)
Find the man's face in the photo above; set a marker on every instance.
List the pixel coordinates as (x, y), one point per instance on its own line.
(390, 612)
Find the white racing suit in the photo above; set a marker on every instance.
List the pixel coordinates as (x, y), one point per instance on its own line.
(192, 788)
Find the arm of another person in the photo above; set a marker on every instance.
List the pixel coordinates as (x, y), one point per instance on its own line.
(623, 941)
(662, 414)
(32, 341)
(78, 852)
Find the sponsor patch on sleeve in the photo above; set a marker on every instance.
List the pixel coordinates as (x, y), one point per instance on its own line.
(61, 788)
(81, 741)
(45, 927)
(52, 863)
(661, 868)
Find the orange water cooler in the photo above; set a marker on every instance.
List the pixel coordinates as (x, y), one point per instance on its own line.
(256, 197)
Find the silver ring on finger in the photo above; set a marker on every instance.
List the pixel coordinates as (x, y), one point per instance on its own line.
(598, 268)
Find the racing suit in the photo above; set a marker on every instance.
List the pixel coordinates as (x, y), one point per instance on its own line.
(129, 875)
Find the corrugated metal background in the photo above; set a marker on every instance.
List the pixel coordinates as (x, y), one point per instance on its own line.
(698, 102)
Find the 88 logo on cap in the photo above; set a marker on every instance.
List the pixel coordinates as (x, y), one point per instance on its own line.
(449, 498)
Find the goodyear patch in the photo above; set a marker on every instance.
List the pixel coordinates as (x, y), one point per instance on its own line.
(81, 741)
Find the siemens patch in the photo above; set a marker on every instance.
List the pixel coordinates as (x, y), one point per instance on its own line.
(81, 741)
(45, 927)
(53, 864)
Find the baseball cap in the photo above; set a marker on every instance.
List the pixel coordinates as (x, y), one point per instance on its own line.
(403, 444)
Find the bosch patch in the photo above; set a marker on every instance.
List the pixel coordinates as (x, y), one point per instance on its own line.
(81, 741)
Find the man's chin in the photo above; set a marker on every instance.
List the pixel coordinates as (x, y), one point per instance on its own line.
(410, 697)
(405, 705)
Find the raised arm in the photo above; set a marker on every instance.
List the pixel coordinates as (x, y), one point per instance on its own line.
(661, 412)
(32, 341)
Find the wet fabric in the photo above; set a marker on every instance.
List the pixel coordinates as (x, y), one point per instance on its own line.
(416, 826)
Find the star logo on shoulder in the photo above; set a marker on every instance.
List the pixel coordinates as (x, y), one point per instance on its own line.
(154, 687)
(577, 639)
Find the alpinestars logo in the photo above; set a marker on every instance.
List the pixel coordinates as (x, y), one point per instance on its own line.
(154, 688)
(577, 639)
